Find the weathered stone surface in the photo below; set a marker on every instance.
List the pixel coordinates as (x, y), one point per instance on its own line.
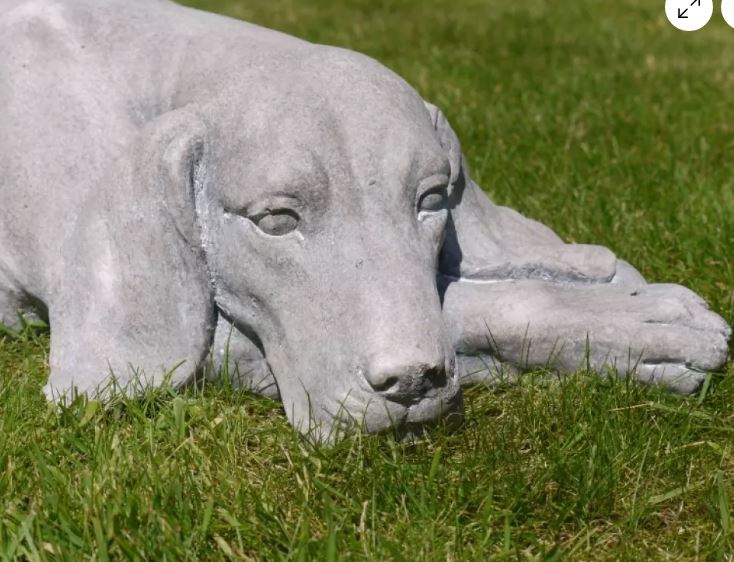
(174, 182)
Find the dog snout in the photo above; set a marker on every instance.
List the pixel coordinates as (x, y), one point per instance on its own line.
(406, 381)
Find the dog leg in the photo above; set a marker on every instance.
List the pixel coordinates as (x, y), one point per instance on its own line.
(664, 334)
(491, 242)
(485, 241)
(516, 297)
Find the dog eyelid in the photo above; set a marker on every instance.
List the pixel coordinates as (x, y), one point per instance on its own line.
(275, 216)
(433, 200)
(434, 197)
(439, 180)
(276, 222)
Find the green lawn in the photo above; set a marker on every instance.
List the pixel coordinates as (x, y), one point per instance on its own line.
(597, 118)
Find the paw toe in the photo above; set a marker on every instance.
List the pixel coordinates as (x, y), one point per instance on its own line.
(675, 377)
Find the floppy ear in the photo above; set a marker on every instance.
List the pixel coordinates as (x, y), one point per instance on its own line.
(486, 241)
(135, 300)
(448, 139)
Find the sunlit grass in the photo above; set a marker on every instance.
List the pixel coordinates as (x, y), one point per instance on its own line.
(584, 466)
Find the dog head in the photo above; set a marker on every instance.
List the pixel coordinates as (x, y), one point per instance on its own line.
(321, 199)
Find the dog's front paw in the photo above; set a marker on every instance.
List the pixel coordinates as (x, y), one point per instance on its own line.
(663, 334)
(627, 275)
(674, 338)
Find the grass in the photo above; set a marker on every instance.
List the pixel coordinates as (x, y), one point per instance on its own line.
(597, 118)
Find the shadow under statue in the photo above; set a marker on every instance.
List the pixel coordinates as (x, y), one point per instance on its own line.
(175, 183)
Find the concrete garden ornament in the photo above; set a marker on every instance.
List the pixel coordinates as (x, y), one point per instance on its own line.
(175, 183)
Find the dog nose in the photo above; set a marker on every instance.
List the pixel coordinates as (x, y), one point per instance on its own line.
(404, 381)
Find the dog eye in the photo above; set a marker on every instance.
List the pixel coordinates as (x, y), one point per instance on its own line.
(433, 200)
(276, 222)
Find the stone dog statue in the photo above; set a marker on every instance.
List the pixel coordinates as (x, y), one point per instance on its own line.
(175, 183)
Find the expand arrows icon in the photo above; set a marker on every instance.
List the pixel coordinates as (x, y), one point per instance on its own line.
(682, 14)
(689, 15)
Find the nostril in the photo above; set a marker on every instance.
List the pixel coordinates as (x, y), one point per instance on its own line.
(408, 380)
(436, 377)
(384, 382)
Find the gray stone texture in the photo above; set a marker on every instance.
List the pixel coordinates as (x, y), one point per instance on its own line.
(174, 182)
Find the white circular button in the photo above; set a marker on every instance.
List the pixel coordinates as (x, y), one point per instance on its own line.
(727, 10)
(690, 15)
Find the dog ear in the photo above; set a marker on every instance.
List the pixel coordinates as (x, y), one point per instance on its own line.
(181, 134)
(448, 139)
(487, 242)
(136, 300)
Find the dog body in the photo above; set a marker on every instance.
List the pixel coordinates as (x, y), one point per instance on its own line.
(174, 182)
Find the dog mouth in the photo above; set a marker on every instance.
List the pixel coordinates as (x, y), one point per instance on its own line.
(376, 413)
(435, 408)
(445, 411)
(436, 403)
